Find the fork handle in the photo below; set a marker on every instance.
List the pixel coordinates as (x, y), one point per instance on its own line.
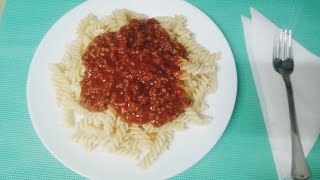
(299, 167)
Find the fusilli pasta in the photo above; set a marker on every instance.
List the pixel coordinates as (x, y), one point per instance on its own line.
(145, 142)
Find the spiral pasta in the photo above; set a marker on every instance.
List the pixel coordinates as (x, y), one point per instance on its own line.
(143, 143)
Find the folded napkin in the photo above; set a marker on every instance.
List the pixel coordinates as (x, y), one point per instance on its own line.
(259, 35)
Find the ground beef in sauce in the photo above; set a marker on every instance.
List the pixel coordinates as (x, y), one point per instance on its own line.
(136, 72)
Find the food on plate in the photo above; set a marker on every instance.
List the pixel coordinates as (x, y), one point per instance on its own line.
(136, 72)
(128, 82)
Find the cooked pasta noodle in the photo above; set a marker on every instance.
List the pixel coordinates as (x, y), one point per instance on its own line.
(140, 142)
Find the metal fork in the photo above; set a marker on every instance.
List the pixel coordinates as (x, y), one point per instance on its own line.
(283, 64)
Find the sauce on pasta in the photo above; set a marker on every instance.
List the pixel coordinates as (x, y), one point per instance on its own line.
(135, 71)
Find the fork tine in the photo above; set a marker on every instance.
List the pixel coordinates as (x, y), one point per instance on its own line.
(280, 45)
(290, 48)
(275, 46)
(286, 46)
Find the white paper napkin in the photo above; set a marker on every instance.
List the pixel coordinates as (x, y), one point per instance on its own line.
(259, 35)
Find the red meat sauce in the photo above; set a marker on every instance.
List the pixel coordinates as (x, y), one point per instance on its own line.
(136, 72)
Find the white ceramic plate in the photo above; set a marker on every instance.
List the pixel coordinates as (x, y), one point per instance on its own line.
(187, 148)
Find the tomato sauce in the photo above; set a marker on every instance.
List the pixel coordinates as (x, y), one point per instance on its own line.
(136, 71)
